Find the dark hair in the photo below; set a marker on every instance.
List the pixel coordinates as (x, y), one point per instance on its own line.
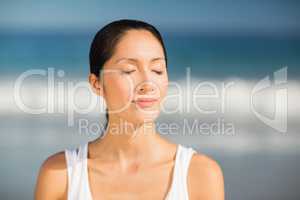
(106, 39)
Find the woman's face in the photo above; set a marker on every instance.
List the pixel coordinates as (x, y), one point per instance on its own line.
(136, 72)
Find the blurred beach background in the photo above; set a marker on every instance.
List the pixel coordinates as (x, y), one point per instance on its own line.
(234, 43)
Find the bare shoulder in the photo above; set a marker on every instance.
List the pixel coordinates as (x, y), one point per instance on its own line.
(52, 178)
(205, 178)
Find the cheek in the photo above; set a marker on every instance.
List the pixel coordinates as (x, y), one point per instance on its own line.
(163, 86)
(118, 91)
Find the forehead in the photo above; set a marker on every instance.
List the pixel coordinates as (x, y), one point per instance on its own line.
(139, 44)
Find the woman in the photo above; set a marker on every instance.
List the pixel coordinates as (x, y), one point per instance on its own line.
(128, 64)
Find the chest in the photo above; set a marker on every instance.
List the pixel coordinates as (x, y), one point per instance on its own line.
(138, 183)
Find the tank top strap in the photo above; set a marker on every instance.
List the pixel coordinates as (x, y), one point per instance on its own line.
(185, 159)
(76, 166)
(180, 189)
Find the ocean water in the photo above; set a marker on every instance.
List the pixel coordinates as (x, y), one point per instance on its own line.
(258, 160)
(209, 55)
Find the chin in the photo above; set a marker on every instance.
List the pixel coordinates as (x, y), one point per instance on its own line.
(148, 116)
(139, 116)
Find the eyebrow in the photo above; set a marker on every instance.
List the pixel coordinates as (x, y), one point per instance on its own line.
(136, 60)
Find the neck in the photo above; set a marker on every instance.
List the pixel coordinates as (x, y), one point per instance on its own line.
(127, 143)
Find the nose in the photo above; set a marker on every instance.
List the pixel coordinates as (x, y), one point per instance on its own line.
(146, 87)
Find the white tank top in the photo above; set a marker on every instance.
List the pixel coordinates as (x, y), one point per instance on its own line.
(78, 184)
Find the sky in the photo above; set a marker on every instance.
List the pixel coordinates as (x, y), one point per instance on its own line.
(258, 16)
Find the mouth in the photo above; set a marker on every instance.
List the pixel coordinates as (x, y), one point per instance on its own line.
(145, 102)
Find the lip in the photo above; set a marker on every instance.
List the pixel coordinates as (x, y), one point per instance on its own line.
(146, 102)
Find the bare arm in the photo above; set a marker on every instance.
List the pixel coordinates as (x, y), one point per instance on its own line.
(205, 179)
(51, 183)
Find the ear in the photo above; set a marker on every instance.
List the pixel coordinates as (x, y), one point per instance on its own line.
(95, 84)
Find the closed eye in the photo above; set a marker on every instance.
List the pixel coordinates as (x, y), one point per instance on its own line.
(128, 72)
(158, 72)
